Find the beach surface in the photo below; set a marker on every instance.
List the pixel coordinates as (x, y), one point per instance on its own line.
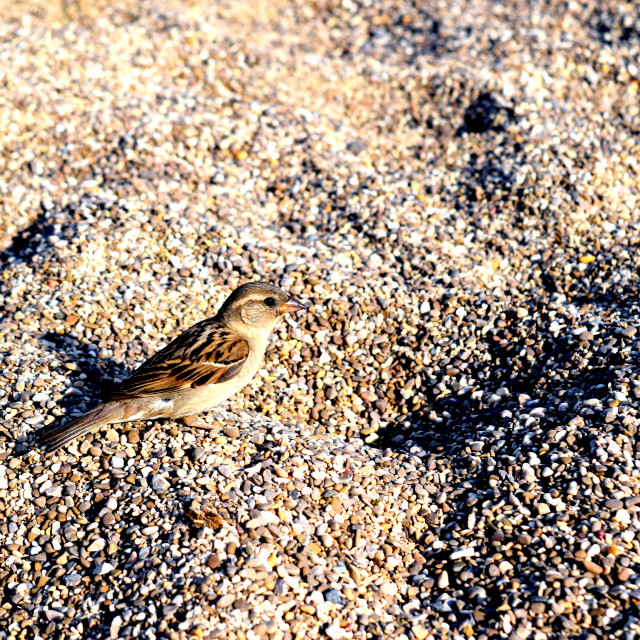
(445, 446)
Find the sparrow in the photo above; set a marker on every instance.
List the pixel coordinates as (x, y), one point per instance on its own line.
(198, 370)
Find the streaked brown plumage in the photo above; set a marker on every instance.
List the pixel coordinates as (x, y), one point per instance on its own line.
(206, 353)
(202, 367)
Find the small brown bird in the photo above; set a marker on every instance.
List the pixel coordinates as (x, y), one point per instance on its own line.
(201, 368)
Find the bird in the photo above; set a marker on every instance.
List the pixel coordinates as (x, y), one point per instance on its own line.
(199, 369)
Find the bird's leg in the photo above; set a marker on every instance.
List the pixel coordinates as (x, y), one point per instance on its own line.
(194, 421)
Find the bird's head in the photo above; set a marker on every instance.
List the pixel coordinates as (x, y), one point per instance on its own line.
(254, 308)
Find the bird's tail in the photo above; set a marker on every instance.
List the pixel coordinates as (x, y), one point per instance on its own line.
(53, 438)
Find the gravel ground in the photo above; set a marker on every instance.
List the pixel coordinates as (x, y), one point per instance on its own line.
(446, 446)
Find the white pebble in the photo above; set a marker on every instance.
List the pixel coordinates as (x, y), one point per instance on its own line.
(467, 552)
(97, 545)
(528, 474)
(264, 518)
(622, 516)
(159, 484)
(334, 631)
(103, 569)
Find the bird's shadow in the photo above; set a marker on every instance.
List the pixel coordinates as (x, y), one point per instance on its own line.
(100, 372)
(98, 381)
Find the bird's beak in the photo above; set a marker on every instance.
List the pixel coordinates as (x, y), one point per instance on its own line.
(291, 305)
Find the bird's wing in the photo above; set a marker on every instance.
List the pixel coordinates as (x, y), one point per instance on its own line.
(207, 353)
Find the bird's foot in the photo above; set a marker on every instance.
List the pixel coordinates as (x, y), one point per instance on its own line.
(194, 421)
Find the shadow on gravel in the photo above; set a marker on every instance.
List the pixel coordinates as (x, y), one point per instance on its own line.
(38, 230)
(79, 358)
(537, 370)
(100, 372)
(536, 381)
(591, 286)
(486, 114)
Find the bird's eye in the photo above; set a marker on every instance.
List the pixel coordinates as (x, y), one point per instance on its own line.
(270, 302)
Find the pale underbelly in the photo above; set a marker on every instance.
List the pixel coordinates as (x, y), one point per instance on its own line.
(184, 403)
(202, 399)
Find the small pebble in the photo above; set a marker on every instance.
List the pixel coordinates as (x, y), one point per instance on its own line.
(160, 484)
(103, 569)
